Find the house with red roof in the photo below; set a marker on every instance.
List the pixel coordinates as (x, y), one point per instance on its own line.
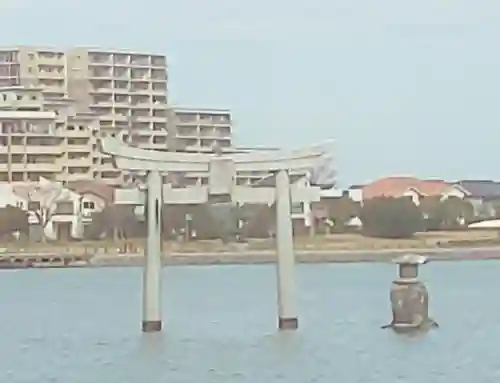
(412, 187)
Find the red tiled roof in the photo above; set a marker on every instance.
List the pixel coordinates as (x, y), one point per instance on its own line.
(398, 186)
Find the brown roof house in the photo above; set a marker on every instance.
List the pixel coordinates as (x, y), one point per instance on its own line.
(95, 196)
(412, 187)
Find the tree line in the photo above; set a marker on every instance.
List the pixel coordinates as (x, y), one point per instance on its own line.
(389, 217)
(380, 217)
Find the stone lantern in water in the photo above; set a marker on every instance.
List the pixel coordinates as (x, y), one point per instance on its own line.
(410, 298)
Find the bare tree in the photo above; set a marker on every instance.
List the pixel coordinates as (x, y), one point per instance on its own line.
(42, 200)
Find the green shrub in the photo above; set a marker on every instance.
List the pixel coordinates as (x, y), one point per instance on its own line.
(389, 217)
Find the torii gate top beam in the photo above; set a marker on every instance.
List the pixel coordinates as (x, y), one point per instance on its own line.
(130, 158)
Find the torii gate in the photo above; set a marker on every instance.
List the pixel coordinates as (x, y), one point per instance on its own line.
(222, 170)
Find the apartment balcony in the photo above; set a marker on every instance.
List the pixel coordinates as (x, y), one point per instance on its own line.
(113, 117)
(79, 148)
(101, 86)
(121, 99)
(52, 84)
(75, 133)
(210, 143)
(215, 134)
(190, 138)
(38, 167)
(121, 86)
(185, 121)
(78, 176)
(139, 91)
(51, 62)
(53, 73)
(215, 120)
(105, 165)
(141, 106)
(140, 77)
(141, 118)
(158, 119)
(156, 91)
(100, 59)
(26, 123)
(95, 74)
(32, 149)
(157, 105)
(50, 58)
(100, 110)
(139, 60)
(158, 61)
(107, 102)
(101, 90)
(25, 103)
(78, 162)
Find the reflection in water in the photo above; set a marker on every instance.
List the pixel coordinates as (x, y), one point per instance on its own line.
(83, 325)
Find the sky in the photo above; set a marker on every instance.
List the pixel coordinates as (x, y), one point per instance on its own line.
(404, 88)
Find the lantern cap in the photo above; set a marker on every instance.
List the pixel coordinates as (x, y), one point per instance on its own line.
(411, 259)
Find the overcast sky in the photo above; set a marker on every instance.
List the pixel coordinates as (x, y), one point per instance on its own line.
(403, 87)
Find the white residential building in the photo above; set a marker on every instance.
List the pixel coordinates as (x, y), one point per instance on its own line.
(68, 211)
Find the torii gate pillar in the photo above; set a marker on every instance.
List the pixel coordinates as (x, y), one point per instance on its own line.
(287, 309)
(151, 311)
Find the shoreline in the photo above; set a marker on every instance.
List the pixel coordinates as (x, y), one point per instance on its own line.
(304, 257)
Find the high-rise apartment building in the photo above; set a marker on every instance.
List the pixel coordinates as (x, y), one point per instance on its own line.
(46, 137)
(200, 129)
(92, 92)
(125, 89)
(36, 67)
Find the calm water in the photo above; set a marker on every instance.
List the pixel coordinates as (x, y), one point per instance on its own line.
(82, 325)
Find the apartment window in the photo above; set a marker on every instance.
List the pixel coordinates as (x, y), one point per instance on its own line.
(88, 205)
(31, 56)
(71, 127)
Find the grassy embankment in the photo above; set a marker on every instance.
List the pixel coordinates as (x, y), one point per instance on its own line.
(334, 242)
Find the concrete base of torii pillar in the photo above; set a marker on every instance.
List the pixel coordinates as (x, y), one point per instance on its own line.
(287, 311)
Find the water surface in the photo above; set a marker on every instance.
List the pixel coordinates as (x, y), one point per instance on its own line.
(83, 326)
